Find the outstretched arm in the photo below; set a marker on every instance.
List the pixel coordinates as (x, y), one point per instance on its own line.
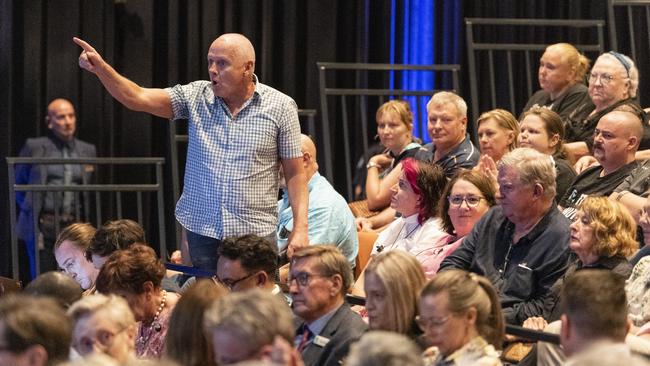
(151, 100)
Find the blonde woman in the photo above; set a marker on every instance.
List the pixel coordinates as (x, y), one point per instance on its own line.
(392, 285)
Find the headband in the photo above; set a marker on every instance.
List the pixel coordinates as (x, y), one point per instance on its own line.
(623, 61)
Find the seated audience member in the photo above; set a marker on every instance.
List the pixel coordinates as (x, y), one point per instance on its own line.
(497, 134)
(392, 285)
(247, 262)
(416, 198)
(562, 70)
(613, 85)
(186, 342)
(521, 244)
(602, 237)
(242, 326)
(33, 331)
(634, 190)
(466, 198)
(638, 297)
(319, 280)
(384, 348)
(70, 253)
(543, 130)
(55, 285)
(461, 318)
(616, 140)
(644, 228)
(329, 217)
(594, 310)
(136, 273)
(113, 235)
(395, 131)
(103, 324)
(450, 146)
(418, 231)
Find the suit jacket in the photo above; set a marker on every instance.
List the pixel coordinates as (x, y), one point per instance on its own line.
(45, 147)
(343, 329)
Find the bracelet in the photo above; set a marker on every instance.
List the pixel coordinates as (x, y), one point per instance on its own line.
(372, 165)
(620, 195)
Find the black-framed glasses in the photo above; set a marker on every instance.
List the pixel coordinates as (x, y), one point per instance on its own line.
(230, 284)
(426, 323)
(472, 201)
(303, 278)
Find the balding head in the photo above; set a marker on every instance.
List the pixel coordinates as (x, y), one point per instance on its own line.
(231, 64)
(616, 139)
(308, 155)
(241, 45)
(61, 119)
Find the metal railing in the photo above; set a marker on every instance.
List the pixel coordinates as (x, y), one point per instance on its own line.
(358, 86)
(497, 57)
(629, 33)
(91, 200)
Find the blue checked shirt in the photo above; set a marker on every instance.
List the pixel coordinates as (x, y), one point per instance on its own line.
(231, 174)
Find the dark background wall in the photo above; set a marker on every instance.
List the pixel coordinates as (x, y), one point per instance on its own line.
(164, 42)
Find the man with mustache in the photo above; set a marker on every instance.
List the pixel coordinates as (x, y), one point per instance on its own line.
(616, 140)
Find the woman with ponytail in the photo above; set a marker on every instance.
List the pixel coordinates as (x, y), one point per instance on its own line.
(460, 315)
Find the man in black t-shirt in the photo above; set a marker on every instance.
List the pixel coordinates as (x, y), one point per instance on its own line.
(616, 140)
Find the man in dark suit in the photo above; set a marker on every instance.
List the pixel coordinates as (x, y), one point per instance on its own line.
(319, 278)
(60, 142)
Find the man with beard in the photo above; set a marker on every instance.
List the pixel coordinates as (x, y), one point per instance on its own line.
(616, 140)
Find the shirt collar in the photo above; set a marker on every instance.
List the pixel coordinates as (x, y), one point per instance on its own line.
(317, 326)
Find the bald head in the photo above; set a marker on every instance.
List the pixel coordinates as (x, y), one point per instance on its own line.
(308, 155)
(61, 119)
(241, 46)
(616, 140)
(629, 121)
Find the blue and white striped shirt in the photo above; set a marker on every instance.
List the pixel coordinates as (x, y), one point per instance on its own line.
(231, 173)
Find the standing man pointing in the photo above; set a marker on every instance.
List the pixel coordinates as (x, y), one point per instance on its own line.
(239, 129)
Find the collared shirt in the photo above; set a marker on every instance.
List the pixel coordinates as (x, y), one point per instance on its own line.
(408, 235)
(231, 174)
(330, 220)
(315, 327)
(465, 155)
(523, 272)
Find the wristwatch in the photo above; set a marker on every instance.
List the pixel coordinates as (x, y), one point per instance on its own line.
(372, 165)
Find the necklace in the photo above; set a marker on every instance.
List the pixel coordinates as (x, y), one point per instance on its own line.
(147, 331)
(381, 248)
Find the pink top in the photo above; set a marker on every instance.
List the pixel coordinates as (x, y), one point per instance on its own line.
(150, 341)
(435, 255)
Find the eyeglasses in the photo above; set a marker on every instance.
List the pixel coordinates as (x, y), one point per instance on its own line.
(426, 323)
(605, 79)
(104, 338)
(230, 284)
(472, 201)
(303, 278)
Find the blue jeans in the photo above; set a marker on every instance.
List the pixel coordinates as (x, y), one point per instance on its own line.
(203, 250)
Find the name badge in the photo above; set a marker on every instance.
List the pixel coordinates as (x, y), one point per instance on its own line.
(321, 341)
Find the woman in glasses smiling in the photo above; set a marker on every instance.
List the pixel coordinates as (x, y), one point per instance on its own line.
(466, 198)
(460, 315)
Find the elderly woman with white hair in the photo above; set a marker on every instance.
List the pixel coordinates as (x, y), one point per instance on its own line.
(104, 324)
(613, 85)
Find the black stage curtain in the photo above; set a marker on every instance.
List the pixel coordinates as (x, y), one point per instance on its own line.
(164, 42)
